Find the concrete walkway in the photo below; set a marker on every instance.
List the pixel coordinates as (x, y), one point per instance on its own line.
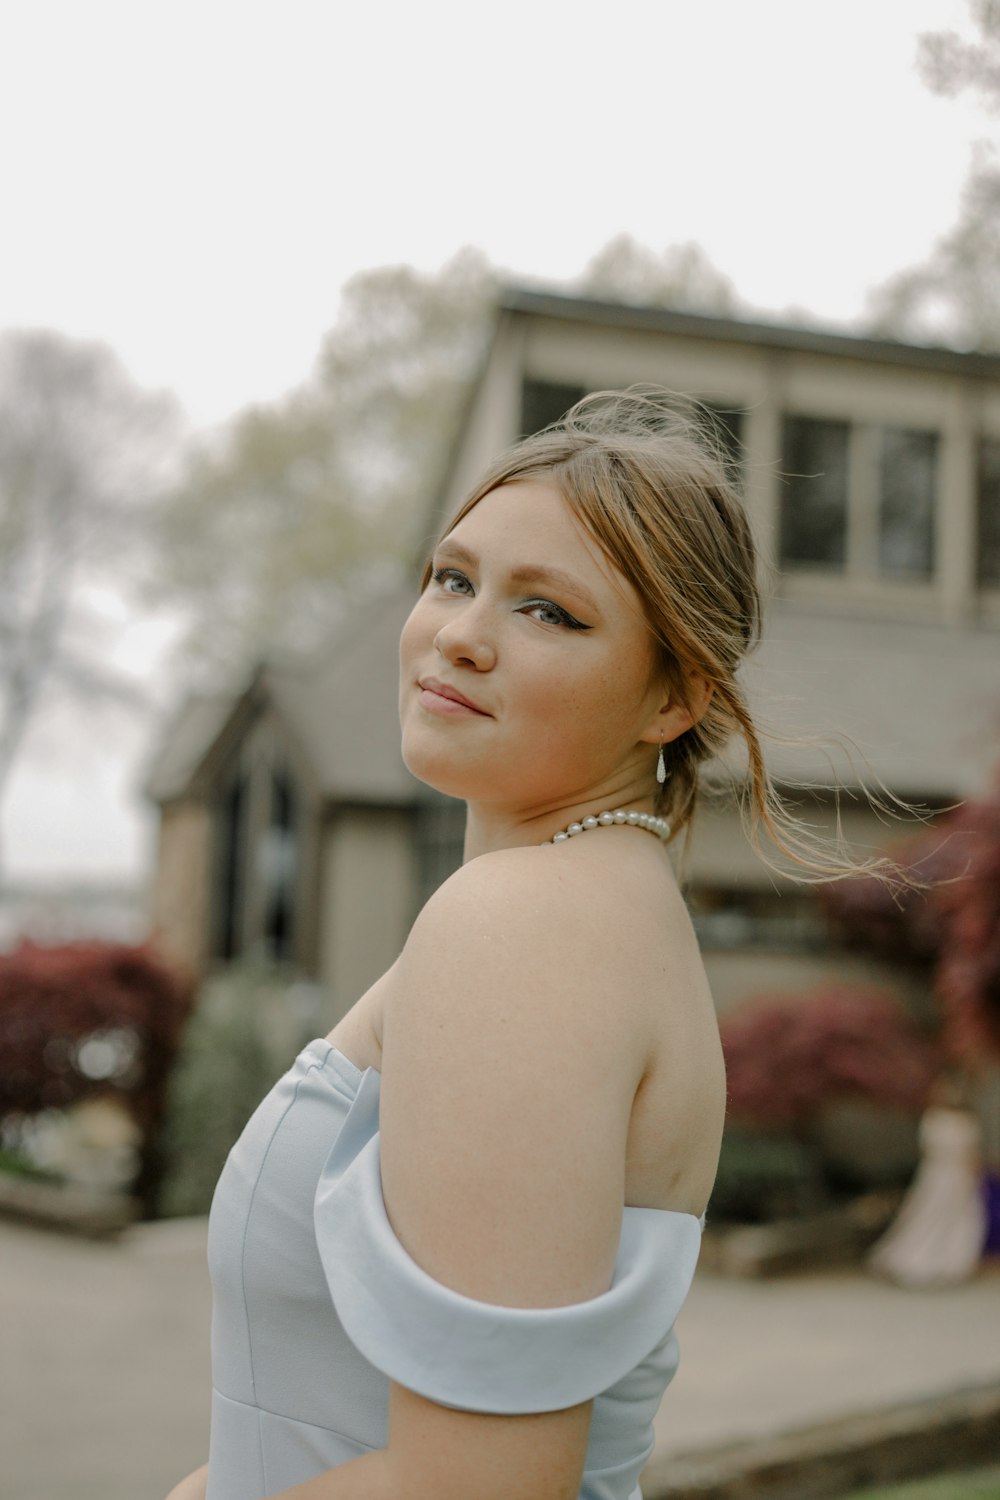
(104, 1373)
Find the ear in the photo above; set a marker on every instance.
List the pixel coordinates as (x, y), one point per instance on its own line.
(673, 717)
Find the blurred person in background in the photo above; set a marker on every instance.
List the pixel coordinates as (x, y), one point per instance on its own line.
(939, 1234)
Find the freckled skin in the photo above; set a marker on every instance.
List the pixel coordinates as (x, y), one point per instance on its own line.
(572, 714)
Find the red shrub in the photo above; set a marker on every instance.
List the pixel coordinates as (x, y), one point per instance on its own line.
(786, 1057)
(967, 982)
(954, 925)
(90, 1018)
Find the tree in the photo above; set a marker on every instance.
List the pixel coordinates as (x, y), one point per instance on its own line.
(304, 503)
(955, 294)
(682, 277)
(81, 447)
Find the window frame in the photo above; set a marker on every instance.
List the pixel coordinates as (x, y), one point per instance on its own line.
(861, 573)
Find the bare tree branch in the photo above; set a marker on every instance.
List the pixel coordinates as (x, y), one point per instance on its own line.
(82, 450)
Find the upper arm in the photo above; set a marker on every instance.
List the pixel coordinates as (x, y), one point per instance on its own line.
(508, 1073)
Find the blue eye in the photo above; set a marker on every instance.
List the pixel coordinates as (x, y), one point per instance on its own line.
(444, 576)
(559, 616)
(453, 581)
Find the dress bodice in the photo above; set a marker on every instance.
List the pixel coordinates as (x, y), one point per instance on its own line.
(318, 1306)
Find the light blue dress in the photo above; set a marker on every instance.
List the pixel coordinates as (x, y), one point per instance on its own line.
(317, 1306)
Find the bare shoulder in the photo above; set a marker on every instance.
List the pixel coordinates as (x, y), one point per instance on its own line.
(509, 1069)
(544, 939)
(604, 894)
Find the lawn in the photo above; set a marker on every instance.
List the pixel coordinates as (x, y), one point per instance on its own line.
(970, 1484)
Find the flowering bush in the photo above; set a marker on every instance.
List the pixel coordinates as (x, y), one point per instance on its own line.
(788, 1056)
(967, 981)
(85, 1020)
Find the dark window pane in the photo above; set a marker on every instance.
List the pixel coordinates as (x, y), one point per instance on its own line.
(544, 402)
(278, 867)
(988, 548)
(908, 491)
(727, 427)
(814, 492)
(232, 840)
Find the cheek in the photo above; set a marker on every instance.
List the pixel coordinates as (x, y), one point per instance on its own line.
(417, 632)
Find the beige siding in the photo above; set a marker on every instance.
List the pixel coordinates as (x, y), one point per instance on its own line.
(721, 855)
(181, 884)
(492, 421)
(766, 382)
(738, 976)
(368, 900)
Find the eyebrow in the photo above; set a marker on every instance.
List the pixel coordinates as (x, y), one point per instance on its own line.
(526, 573)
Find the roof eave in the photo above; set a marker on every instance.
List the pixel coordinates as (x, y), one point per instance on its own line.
(627, 315)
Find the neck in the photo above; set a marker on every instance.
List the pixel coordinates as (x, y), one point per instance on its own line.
(488, 829)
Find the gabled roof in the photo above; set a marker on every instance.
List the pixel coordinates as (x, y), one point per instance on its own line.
(340, 710)
(183, 746)
(344, 710)
(629, 315)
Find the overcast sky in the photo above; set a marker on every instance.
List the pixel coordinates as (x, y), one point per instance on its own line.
(193, 183)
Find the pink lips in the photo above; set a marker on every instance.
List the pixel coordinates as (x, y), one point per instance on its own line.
(439, 698)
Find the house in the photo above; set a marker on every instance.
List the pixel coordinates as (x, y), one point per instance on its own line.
(289, 825)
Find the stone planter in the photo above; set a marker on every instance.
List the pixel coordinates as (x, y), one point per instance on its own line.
(867, 1144)
(98, 1213)
(833, 1237)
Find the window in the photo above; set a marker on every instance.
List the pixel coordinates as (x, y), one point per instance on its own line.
(277, 862)
(786, 921)
(859, 500)
(988, 541)
(259, 857)
(814, 493)
(544, 402)
(232, 839)
(907, 493)
(727, 428)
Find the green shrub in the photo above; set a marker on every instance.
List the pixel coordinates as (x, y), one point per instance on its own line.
(763, 1177)
(248, 1025)
(970, 1484)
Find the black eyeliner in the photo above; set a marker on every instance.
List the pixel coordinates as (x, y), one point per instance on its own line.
(570, 621)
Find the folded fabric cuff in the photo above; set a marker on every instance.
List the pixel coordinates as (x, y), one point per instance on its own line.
(477, 1356)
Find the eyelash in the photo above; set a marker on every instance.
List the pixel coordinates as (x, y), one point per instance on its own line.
(440, 576)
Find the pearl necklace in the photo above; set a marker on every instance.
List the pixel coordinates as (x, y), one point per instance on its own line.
(649, 821)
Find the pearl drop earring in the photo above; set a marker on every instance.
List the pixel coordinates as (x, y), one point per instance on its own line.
(661, 767)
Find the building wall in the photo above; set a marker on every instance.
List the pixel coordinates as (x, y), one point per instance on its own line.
(908, 671)
(368, 899)
(767, 935)
(766, 383)
(181, 883)
(738, 976)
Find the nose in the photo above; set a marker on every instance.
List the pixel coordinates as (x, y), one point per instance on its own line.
(462, 643)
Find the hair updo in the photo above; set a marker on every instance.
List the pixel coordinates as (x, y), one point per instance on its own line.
(648, 475)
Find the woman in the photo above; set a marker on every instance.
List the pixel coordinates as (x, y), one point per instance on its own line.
(450, 1247)
(939, 1234)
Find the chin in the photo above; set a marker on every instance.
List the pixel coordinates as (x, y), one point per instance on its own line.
(436, 767)
(433, 767)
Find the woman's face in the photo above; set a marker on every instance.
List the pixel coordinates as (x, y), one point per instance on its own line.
(527, 621)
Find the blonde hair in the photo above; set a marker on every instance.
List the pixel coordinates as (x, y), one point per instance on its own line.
(647, 474)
